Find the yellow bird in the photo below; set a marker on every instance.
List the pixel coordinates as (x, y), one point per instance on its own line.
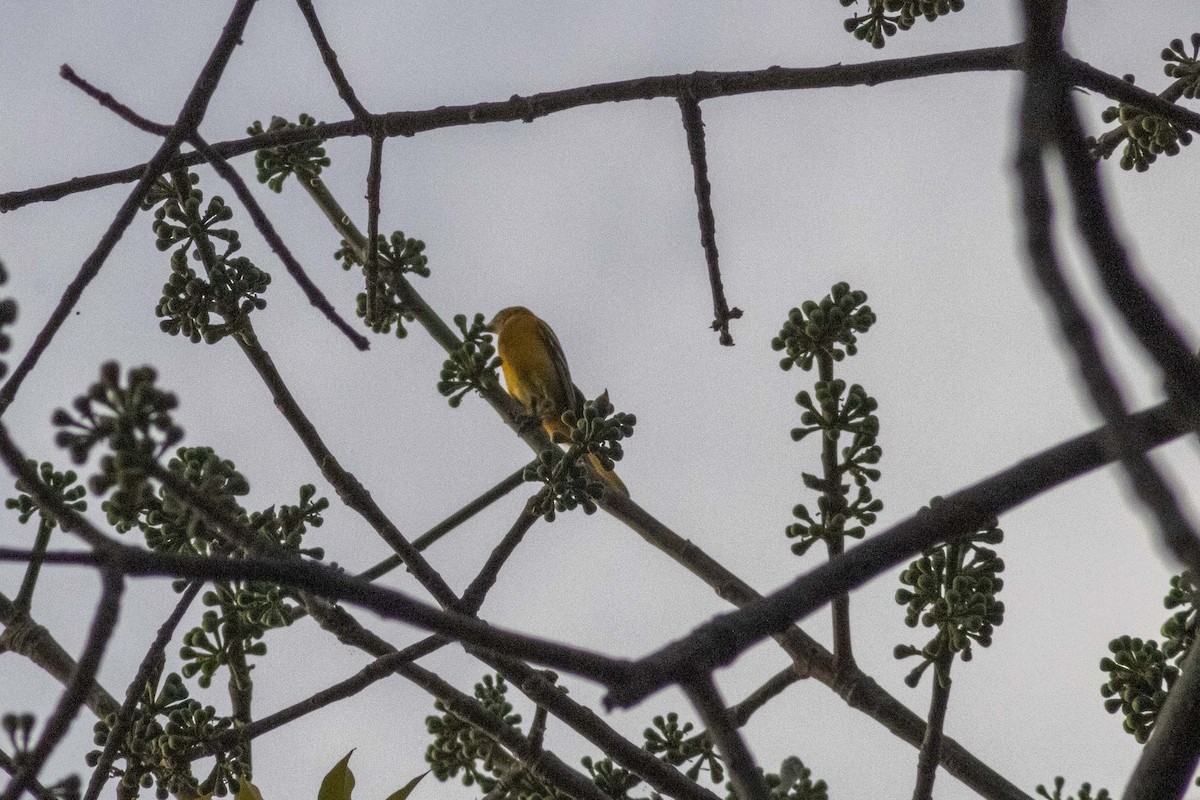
(536, 374)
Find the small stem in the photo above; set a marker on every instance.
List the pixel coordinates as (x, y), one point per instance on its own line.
(24, 599)
(931, 747)
(835, 503)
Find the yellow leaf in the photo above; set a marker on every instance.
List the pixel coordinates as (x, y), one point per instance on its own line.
(403, 794)
(248, 791)
(339, 783)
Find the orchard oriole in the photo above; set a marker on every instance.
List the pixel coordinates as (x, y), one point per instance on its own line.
(536, 374)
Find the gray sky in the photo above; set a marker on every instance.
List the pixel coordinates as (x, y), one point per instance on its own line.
(588, 217)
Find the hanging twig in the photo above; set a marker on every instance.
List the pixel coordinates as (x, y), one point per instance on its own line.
(693, 126)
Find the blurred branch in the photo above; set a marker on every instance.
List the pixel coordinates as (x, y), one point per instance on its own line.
(78, 688)
(1169, 758)
(1049, 118)
(147, 674)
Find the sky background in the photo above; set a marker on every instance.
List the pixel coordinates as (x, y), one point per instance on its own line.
(588, 217)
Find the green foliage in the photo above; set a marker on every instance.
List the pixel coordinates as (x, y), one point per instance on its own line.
(1179, 631)
(133, 419)
(471, 366)
(306, 159)
(232, 285)
(61, 484)
(1085, 792)
(827, 327)
(8, 315)
(825, 333)
(952, 587)
(596, 433)
(167, 727)
(1184, 68)
(1142, 671)
(1139, 677)
(458, 747)
(134, 422)
(670, 741)
(614, 781)
(793, 782)
(877, 24)
(397, 257)
(1149, 136)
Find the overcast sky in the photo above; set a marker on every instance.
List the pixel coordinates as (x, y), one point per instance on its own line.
(588, 217)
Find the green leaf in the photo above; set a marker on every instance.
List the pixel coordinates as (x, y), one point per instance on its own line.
(402, 794)
(339, 783)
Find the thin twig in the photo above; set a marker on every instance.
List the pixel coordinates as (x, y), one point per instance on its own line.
(316, 297)
(372, 288)
(540, 763)
(112, 104)
(747, 780)
(329, 56)
(693, 126)
(380, 668)
(472, 598)
(449, 523)
(187, 123)
(931, 748)
(78, 688)
(148, 673)
(259, 217)
(835, 504)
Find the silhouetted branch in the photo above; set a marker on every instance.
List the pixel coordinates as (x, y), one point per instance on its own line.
(931, 748)
(259, 217)
(329, 56)
(693, 125)
(1169, 758)
(185, 125)
(700, 85)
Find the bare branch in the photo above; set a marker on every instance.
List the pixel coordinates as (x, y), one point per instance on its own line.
(700, 85)
(693, 125)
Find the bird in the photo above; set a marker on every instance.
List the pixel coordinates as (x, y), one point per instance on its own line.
(536, 375)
